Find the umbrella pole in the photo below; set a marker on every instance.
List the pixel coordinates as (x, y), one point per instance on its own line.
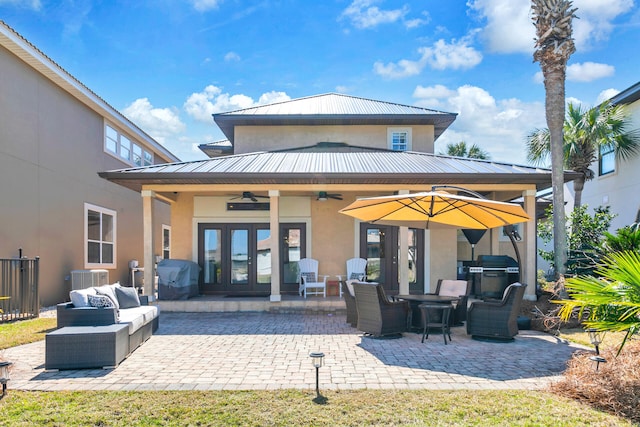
(511, 231)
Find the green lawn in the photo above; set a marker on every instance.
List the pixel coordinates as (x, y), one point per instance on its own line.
(296, 408)
(25, 331)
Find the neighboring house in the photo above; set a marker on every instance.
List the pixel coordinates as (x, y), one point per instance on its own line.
(617, 183)
(55, 135)
(246, 218)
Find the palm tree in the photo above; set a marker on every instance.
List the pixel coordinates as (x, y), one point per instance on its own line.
(586, 132)
(554, 45)
(460, 150)
(611, 299)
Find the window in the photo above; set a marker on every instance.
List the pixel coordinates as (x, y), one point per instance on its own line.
(99, 237)
(122, 147)
(166, 241)
(607, 161)
(399, 139)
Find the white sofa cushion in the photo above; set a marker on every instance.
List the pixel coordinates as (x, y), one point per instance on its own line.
(109, 291)
(80, 297)
(137, 317)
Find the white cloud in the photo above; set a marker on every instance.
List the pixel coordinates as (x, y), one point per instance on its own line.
(606, 95)
(440, 56)
(27, 4)
(363, 14)
(232, 57)
(588, 71)
(205, 5)
(583, 72)
(211, 100)
(272, 97)
(509, 27)
(160, 123)
(498, 126)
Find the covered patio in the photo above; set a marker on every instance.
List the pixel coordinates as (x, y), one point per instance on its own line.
(276, 201)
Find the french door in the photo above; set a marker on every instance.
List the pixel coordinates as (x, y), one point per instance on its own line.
(236, 258)
(379, 246)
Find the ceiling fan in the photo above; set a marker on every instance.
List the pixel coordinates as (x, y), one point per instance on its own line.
(324, 196)
(248, 196)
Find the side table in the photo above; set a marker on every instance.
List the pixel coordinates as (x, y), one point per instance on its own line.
(436, 316)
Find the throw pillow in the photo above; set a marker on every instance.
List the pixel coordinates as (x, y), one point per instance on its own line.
(309, 277)
(100, 301)
(127, 297)
(356, 276)
(108, 290)
(79, 297)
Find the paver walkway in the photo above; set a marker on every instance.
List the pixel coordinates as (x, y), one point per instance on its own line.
(251, 351)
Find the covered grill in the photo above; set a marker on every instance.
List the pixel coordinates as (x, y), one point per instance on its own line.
(492, 274)
(177, 279)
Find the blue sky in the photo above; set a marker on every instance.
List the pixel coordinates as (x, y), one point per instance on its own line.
(169, 64)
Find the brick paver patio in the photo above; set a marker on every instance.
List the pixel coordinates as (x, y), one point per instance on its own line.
(251, 351)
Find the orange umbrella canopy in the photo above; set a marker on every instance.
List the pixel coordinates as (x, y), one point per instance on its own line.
(433, 208)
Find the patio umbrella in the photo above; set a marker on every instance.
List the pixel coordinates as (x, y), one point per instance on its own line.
(424, 210)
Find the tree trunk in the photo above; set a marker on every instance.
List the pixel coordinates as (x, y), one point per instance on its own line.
(554, 78)
(578, 186)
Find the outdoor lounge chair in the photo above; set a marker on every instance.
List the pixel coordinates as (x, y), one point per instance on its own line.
(308, 279)
(456, 288)
(377, 315)
(496, 319)
(356, 272)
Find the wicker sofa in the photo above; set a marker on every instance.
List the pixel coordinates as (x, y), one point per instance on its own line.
(98, 337)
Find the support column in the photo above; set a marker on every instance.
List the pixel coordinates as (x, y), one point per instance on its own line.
(529, 276)
(403, 256)
(274, 226)
(148, 197)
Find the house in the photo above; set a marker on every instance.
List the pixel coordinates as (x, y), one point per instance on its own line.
(55, 135)
(247, 217)
(617, 182)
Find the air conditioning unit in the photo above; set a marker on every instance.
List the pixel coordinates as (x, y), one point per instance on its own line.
(82, 279)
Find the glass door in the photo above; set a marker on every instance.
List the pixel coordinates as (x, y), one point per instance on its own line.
(235, 258)
(292, 250)
(379, 245)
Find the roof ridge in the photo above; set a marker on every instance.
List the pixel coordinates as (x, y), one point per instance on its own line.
(332, 94)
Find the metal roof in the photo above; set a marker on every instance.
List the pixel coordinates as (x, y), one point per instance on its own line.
(333, 109)
(627, 96)
(333, 164)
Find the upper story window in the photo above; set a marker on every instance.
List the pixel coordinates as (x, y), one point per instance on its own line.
(99, 237)
(122, 147)
(399, 139)
(607, 160)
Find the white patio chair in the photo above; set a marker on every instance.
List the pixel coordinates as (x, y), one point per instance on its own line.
(356, 272)
(309, 280)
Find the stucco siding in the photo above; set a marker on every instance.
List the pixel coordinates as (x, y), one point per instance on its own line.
(266, 138)
(51, 149)
(620, 189)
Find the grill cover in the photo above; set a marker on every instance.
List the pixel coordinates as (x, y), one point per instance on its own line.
(177, 279)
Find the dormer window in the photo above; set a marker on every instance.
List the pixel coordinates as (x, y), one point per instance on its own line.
(399, 139)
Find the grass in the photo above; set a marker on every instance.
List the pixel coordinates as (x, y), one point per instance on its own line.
(284, 408)
(25, 331)
(292, 407)
(578, 335)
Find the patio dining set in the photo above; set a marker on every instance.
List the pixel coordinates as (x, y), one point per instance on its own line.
(371, 311)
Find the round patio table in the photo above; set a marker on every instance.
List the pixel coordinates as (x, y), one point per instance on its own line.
(416, 300)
